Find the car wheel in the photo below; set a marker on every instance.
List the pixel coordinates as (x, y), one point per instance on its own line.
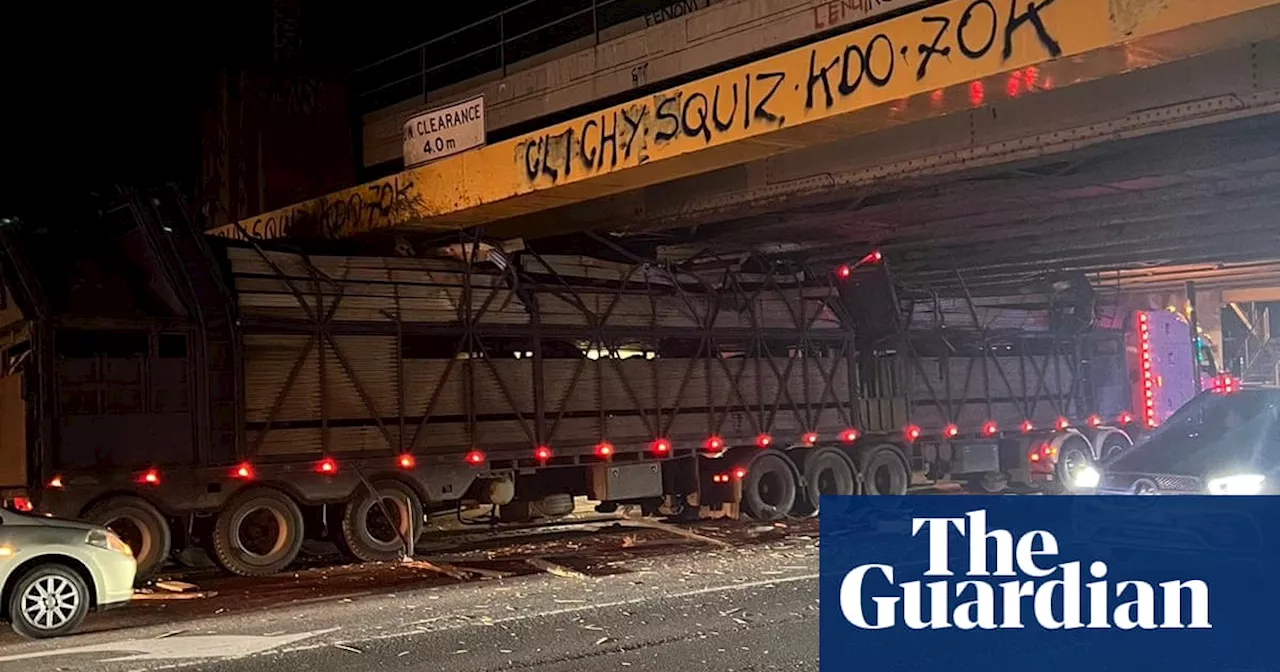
(365, 534)
(259, 532)
(140, 525)
(48, 601)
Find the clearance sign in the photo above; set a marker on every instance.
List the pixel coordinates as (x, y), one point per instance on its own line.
(790, 100)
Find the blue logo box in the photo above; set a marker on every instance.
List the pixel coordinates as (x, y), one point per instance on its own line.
(1078, 584)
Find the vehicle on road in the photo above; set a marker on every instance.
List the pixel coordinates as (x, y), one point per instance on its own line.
(1223, 442)
(54, 572)
(201, 393)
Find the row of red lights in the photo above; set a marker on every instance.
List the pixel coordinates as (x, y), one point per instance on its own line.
(329, 466)
(1148, 384)
(844, 271)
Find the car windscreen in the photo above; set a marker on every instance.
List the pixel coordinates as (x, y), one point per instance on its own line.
(1211, 433)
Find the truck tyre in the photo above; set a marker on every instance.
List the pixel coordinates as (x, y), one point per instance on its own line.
(49, 600)
(884, 471)
(770, 485)
(364, 532)
(1113, 443)
(824, 471)
(259, 532)
(1073, 455)
(138, 524)
(554, 506)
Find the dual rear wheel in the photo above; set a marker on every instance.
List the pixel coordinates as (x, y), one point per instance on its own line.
(778, 484)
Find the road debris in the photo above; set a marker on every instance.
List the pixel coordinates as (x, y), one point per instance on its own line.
(176, 586)
(553, 568)
(344, 647)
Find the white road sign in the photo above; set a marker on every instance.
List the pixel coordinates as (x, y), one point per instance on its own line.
(443, 131)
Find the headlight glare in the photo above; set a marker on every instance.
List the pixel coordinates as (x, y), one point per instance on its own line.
(1088, 477)
(1238, 484)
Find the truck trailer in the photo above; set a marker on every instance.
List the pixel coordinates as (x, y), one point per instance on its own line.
(199, 392)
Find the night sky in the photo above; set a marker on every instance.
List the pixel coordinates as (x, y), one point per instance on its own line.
(110, 93)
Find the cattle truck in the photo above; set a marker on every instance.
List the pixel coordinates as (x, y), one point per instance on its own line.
(191, 392)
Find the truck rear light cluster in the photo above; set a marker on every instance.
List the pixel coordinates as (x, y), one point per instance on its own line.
(1148, 384)
(1042, 452)
(23, 505)
(738, 473)
(1225, 384)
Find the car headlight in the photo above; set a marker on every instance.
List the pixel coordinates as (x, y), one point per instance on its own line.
(1239, 484)
(1088, 477)
(108, 540)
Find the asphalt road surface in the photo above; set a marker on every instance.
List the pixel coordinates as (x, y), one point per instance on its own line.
(599, 599)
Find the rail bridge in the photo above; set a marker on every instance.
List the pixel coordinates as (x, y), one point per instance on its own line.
(991, 140)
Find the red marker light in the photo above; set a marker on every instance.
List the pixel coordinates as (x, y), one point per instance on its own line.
(849, 435)
(661, 446)
(950, 431)
(990, 428)
(764, 440)
(844, 271)
(1094, 421)
(407, 461)
(1028, 426)
(542, 453)
(475, 458)
(740, 473)
(714, 444)
(23, 505)
(327, 466)
(242, 471)
(719, 478)
(810, 438)
(150, 477)
(911, 432)
(604, 449)
(1062, 423)
(876, 256)
(55, 482)
(1125, 418)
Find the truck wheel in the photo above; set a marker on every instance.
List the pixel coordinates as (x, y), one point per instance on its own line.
(138, 524)
(1112, 445)
(1073, 456)
(824, 471)
(49, 600)
(769, 487)
(990, 483)
(366, 534)
(259, 532)
(884, 471)
(554, 506)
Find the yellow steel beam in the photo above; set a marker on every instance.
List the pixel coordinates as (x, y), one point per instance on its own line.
(799, 98)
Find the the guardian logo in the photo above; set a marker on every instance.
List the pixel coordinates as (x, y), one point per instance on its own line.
(1049, 594)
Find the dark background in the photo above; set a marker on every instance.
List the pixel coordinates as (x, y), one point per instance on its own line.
(103, 94)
